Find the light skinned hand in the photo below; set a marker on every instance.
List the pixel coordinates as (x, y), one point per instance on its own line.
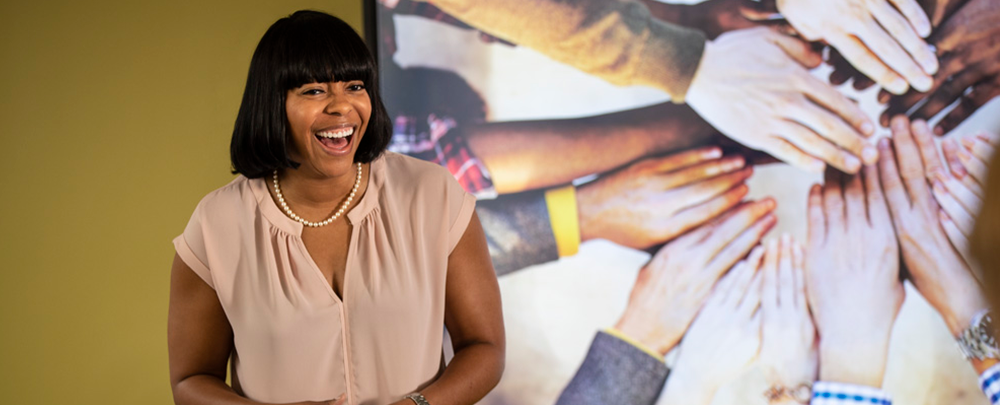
(723, 339)
(958, 193)
(788, 355)
(852, 276)
(753, 85)
(656, 199)
(881, 38)
(671, 289)
(935, 266)
(970, 68)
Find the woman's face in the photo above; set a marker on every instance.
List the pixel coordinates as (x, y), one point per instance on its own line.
(327, 122)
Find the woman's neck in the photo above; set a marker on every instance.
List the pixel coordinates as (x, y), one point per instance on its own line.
(313, 191)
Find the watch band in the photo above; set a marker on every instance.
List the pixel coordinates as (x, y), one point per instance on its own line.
(977, 341)
(418, 399)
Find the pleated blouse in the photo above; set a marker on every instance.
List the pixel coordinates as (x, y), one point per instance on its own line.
(295, 340)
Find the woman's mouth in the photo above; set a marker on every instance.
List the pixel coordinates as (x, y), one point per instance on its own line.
(336, 141)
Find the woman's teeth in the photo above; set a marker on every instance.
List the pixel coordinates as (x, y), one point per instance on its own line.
(340, 133)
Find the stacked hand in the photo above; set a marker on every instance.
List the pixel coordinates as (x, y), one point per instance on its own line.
(935, 266)
(852, 273)
(754, 86)
(969, 46)
(672, 288)
(788, 355)
(657, 199)
(880, 38)
(723, 339)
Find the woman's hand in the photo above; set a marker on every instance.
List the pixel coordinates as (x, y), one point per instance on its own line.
(753, 85)
(958, 192)
(852, 276)
(788, 355)
(936, 268)
(723, 340)
(881, 38)
(657, 199)
(673, 286)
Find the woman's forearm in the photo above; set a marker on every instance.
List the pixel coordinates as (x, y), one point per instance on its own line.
(207, 389)
(472, 373)
(520, 155)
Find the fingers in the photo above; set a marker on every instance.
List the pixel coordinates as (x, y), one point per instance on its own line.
(809, 142)
(742, 279)
(751, 300)
(744, 230)
(699, 214)
(704, 190)
(702, 171)
(968, 104)
(799, 265)
(791, 154)
(968, 199)
(905, 35)
(915, 15)
(928, 151)
(845, 110)
(817, 218)
(833, 202)
(869, 64)
(890, 53)
(680, 160)
(878, 212)
(770, 301)
(958, 239)
(949, 91)
(950, 150)
(786, 276)
(854, 200)
(892, 183)
(911, 167)
(798, 49)
(962, 219)
(977, 169)
(979, 147)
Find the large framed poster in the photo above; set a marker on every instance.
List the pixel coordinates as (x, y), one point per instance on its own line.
(645, 176)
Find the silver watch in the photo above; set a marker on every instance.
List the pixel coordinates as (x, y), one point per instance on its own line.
(418, 399)
(977, 341)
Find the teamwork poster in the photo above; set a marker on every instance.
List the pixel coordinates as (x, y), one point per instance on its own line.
(611, 144)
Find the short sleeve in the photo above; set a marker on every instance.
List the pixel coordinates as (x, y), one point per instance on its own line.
(190, 247)
(461, 207)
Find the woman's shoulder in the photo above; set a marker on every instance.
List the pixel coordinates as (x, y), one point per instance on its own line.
(227, 200)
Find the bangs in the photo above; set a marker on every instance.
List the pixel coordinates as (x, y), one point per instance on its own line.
(316, 51)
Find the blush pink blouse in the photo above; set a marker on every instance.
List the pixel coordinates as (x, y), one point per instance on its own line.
(295, 339)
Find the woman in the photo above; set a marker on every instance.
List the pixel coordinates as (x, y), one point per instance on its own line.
(327, 269)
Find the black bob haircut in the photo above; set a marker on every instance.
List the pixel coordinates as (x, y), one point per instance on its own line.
(305, 47)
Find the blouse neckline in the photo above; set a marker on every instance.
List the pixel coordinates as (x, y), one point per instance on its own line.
(360, 210)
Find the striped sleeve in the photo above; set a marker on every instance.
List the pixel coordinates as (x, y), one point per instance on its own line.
(989, 381)
(833, 393)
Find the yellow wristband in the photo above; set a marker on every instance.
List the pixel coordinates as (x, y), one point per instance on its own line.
(625, 338)
(564, 218)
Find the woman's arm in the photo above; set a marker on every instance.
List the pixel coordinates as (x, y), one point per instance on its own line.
(474, 319)
(519, 154)
(199, 341)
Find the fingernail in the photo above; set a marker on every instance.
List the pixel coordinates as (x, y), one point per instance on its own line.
(769, 203)
(899, 123)
(923, 83)
(883, 144)
(964, 155)
(898, 85)
(869, 155)
(737, 163)
(938, 130)
(852, 163)
(930, 64)
(713, 153)
(867, 128)
(786, 238)
(968, 142)
(924, 30)
(817, 166)
(958, 170)
(938, 187)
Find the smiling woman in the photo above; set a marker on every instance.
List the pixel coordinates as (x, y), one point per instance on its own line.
(311, 308)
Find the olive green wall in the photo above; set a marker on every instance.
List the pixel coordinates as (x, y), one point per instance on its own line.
(115, 119)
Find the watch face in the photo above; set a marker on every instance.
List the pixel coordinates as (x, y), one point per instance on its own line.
(985, 329)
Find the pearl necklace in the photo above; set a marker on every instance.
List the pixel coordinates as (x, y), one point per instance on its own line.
(284, 206)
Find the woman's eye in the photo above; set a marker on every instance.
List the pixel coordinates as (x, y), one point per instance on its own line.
(312, 92)
(356, 87)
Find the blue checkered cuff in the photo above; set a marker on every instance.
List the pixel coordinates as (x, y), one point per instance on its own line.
(833, 393)
(990, 383)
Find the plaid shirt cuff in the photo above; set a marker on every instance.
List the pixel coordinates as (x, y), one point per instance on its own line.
(833, 393)
(990, 383)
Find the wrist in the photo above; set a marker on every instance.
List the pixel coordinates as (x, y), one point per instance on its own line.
(958, 314)
(854, 363)
(646, 333)
(682, 388)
